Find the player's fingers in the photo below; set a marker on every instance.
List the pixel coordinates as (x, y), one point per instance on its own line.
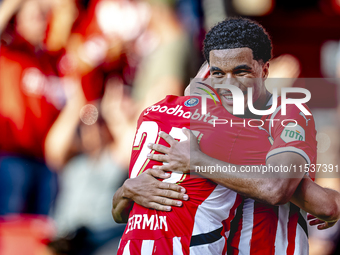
(326, 225)
(172, 195)
(158, 157)
(188, 133)
(167, 201)
(171, 186)
(159, 207)
(166, 167)
(316, 222)
(159, 148)
(158, 173)
(310, 217)
(322, 226)
(168, 138)
(204, 71)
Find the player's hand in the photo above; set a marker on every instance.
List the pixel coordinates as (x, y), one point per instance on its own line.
(149, 192)
(178, 154)
(202, 75)
(204, 71)
(321, 224)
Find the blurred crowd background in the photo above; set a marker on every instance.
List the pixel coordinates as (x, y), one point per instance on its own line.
(74, 77)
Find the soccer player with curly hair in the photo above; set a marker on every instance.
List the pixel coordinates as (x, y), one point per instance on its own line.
(268, 220)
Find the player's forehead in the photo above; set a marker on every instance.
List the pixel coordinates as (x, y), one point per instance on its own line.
(228, 59)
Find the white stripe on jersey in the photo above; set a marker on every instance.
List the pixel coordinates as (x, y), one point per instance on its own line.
(247, 226)
(147, 247)
(301, 239)
(209, 216)
(210, 248)
(281, 239)
(213, 210)
(289, 149)
(127, 248)
(177, 246)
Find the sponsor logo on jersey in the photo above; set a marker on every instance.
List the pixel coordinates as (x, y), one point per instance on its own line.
(180, 112)
(293, 132)
(191, 102)
(304, 116)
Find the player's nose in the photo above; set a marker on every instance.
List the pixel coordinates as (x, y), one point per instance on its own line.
(229, 80)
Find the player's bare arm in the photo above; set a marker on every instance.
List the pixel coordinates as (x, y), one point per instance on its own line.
(321, 202)
(121, 206)
(186, 156)
(318, 201)
(147, 191)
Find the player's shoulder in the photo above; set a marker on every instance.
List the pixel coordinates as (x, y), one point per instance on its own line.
(188, 101)
(172, 99)
(295, 116)
(163, 105)
(290, 109)
(168, 100)
(292, 122)
(181, 108)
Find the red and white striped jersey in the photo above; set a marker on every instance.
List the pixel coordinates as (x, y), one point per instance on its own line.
(202, 224)
(263, 229)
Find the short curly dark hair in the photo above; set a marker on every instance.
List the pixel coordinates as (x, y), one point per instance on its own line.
(238, 33)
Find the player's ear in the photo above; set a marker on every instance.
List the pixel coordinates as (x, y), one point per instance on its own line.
(265, 70)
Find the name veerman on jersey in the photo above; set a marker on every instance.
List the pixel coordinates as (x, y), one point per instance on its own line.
(143, 221)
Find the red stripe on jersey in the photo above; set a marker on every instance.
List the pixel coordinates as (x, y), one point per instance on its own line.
(235, 231)
(264, 229)
(121, 246)
(135, 247)
(292, 225)
(163, 246)
(225, 248)
(185, 240)
(226, 222)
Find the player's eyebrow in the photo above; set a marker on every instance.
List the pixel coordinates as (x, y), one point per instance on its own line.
(215, 68)
(244, 67)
